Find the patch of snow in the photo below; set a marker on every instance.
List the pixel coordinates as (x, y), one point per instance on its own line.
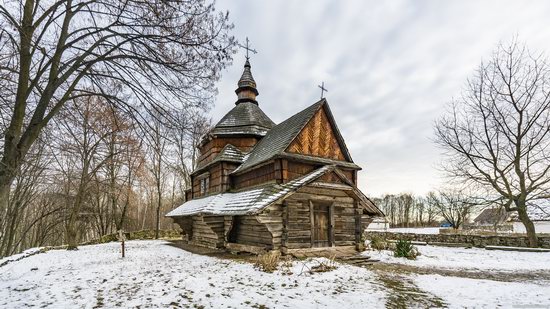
(156, 275)
(474, 293)
(470, 259)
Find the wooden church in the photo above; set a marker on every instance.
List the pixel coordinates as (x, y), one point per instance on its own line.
(260, 186)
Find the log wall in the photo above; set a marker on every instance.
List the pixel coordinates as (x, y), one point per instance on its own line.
(208, 231)
(257, 176)
(272, 218)
(297, 217)
(248, 230)
(219, 179)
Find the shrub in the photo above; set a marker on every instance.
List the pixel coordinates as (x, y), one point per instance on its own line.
(378, 243)
(404, 248)
(267, 262)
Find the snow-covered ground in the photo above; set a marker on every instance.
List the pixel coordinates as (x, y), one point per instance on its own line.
(156, 275)
(471, 259)
(476, 293)
(416, 230)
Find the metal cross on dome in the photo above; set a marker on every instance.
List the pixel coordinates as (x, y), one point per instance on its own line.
(323, 89)
(247, 48)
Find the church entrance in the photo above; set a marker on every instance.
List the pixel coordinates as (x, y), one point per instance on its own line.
(321, 225)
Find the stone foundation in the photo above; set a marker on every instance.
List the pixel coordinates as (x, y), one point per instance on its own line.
(472, 240)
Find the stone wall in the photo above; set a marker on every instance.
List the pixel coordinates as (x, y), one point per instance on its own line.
(472, 240)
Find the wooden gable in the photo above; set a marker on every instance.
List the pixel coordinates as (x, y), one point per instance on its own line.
(319, 138)
(331, 177)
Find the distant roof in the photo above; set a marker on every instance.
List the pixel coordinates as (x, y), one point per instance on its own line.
(253, 201)
(492, 216)
(538, 210)
(280, 136)
(229, 153)
(245, 118)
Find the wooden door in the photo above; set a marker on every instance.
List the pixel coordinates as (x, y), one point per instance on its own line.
(321, 226)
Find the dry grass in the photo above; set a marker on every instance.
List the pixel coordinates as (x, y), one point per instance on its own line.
(267, 262)
(325, 265)
(378, 243)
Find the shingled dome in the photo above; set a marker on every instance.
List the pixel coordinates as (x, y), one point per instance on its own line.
(246, 118)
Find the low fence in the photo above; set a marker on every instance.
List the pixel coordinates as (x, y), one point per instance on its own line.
(471, 240)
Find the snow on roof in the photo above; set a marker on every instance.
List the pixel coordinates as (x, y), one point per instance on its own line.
(537, 210)
(245, 202)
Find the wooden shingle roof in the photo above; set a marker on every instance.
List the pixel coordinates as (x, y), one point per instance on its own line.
(244, 119)
(278, 139)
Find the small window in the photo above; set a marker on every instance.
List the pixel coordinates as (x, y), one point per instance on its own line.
(205, 183)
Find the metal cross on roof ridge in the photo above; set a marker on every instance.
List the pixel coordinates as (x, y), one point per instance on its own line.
(247, 48)
(323, 89)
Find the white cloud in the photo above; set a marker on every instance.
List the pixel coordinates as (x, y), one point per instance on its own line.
(389, 66)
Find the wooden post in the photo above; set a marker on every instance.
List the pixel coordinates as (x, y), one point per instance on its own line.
(122, 239)
(331, 225)
(312, 222)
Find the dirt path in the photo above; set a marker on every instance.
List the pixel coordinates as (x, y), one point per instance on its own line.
(403, 293)
(472, 274)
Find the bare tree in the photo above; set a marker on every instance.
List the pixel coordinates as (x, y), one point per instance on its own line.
(84, 151)
(496, 135)
(27, 189)
(453, 205)
(432, 212)
(161, 54)
(158, 144)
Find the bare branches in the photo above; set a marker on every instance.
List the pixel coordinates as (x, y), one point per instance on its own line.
(164, 55)
(145, 59)
(497, 135)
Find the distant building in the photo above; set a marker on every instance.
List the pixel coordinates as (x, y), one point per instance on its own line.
(500, 220)
(491, 217)
(379, 224)
(263, 186)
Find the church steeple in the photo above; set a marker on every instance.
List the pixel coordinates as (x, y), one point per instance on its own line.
(247, 91)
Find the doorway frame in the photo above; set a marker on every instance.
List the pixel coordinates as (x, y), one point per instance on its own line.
(330, 206)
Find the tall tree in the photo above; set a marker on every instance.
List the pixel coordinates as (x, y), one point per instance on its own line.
(161, 54)
(86, 129)
(497, 136)
(158, 144)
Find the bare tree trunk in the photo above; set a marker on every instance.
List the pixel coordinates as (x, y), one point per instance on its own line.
(159, 204)
(71, 227)
(529, 226)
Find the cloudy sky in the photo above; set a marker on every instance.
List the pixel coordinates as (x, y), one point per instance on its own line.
(389, 66)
